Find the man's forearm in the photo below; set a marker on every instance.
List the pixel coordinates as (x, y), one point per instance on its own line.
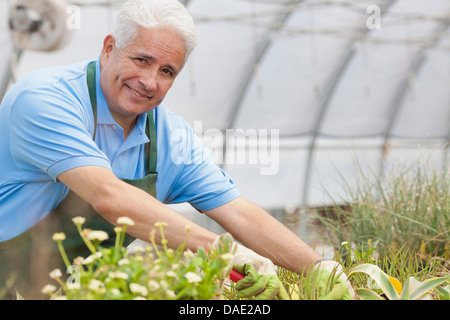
(265, 235)
(113, 198)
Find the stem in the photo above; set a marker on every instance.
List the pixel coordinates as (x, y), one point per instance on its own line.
(63, 253)
(86, 241)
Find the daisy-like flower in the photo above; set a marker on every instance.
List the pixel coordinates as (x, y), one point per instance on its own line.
(118, 275)
(123, 262)
(48, 289)
(78, 261)
(170, 294)
(153, 285)
(79, 220)
(137, 288)
(96, 285)
(92, 257)
(171, 274)
(188, 254)
(55, 274)
(97, 235)
(59, 236)
(125, 221)
(115, 291)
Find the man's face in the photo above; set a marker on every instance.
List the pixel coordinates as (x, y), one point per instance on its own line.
(135, 79)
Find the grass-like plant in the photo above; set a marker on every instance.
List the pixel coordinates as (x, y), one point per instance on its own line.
(151, 272)
(409, 206)
(398, 266)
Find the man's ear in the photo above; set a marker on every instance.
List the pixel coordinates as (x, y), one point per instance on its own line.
(109, 44)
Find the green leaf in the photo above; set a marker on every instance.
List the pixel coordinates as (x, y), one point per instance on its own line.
(425, 286)
(444, 292)
(379, 277)
(19, 296)
(406, 292)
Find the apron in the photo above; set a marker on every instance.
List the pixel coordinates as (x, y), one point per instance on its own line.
(33, 254)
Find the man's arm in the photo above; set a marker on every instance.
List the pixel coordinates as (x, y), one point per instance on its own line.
(113, 198)
(259, 231)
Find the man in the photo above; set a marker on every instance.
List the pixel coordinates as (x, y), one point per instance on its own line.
(99, 128)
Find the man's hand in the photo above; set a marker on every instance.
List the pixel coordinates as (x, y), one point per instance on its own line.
(328, 272)
(260, 286)
(260, 279)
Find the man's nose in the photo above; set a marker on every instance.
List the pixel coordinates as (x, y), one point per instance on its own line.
(149, 80)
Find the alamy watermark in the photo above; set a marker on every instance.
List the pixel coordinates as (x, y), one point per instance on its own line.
(374, 19)
(258, 147)
(73, 21)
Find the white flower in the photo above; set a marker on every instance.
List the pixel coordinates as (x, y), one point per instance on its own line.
(123, 262)
(164, 284)
(188, 254)
(125, 221)
(55, 274)
(97, 235)
(137, 288)
(73, 285)
(78, 261)
(192, 277)
(170, 294)
(175, 266)
(48, 289)
(91, 258)
(79, 220)
(171, 274)
(115, 291)
(59, 236)
(95, 284)
(118, 275)
(153, 285)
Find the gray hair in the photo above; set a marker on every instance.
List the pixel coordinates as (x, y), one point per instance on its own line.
(153, 14)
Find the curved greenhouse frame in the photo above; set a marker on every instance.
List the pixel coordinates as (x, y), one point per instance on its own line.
(295, 97)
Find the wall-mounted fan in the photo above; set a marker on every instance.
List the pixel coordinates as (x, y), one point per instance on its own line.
(38, 24)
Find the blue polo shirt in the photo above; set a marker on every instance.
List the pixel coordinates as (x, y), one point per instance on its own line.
(46, 128)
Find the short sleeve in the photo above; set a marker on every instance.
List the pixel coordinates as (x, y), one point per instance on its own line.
(201, 182)
(49, 132)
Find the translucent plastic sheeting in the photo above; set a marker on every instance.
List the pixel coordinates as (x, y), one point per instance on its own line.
(294, 97)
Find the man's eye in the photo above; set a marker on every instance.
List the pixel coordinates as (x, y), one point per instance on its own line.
(167, 72)
(140, 60)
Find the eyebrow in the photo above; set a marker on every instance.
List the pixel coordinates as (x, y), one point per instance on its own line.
(151, 58)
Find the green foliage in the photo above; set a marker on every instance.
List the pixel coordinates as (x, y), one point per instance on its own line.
(392, 288)
(409, 206)
(151, 272)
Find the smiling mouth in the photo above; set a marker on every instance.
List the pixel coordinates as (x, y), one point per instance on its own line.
(137, 94)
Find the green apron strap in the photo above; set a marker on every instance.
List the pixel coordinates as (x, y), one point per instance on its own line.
(92, 93)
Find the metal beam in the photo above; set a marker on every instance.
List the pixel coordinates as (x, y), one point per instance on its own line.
(248, 75)
(402, 89)
(324, 108)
